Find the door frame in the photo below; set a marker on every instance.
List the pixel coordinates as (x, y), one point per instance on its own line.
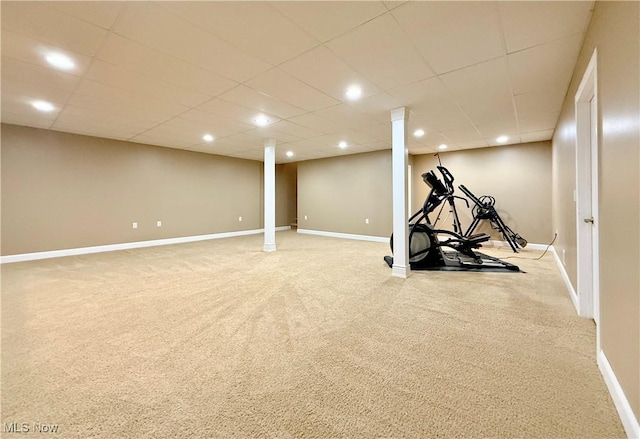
(587, 235)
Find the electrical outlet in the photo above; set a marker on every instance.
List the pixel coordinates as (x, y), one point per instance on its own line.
(158, 223)
(134, 224)
(366, 220)
(305, 217)
(240, 218)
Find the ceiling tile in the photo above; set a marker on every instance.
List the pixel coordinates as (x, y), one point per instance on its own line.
(545, 67)
(323, 70)
(260, 102)
(452, 35)
(32, 51)
(148, 116)
(76, 119)
(120, 51)
(480, 143)
(216, 122)
(345, 116)
(237, 112)
(18, 71)
(316, 122)
(111, 75)
(481, 84)
(244, 24)
(39, 21)
(286, 88)
(43, 121)
(461, 136)
(528, 24)
(538, 121)
(377, 49)
(147, 23)
(513, 139)
(110, 93)
(494, 121)
(432, 103)
(537, 136)
(19, 95)
(103, 14)
(327, 20)
(377, 107)
(431, 139)
(307, 145)
(292, 129)
(528, 104)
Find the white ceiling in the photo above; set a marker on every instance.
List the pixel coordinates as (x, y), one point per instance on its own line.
(166, 73)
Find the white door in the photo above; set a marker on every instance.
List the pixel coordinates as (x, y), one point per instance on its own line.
(587, 220)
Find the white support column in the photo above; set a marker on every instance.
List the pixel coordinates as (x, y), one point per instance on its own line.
(270, 195)
(399, 161)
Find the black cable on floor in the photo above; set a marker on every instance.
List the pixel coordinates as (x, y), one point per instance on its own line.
(539, 257)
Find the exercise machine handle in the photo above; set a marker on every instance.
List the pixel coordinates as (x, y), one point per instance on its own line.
(434, 183)
(448, 178)
(469, 194)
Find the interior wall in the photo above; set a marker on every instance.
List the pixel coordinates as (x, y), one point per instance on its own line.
(286, 194)
(517, 176)
(614, 31)
(62, 191)
(337, 194)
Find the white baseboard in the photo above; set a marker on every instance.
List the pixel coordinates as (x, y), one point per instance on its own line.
(126, 246)
(629, 421)
(567, 281)
(344, 235)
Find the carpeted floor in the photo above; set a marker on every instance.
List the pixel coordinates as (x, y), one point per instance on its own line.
(217, 339)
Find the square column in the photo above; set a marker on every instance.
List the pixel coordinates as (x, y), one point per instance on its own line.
(399, 161)
(270, 195)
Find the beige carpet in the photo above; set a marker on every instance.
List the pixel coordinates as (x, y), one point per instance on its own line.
(217, 339)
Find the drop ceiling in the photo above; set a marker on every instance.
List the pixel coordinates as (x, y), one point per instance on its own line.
(166, 73)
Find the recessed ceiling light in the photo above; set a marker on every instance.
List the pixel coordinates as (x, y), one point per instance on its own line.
(353, 92)
(443, 146)
(60, 60)
(502, 139)
(43, 106)
(289, 153)
(262, 120)
(418, 133)
(207, 138)
(343, 144)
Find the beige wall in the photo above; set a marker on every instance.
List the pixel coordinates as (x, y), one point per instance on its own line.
(337, 194)
(614, 31)
(517, 176)
(63, 191)
(286, 194)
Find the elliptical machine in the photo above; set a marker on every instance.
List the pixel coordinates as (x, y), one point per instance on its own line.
(425, 245)
(484, 210)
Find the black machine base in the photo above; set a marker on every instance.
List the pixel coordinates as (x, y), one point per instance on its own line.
(456, 261)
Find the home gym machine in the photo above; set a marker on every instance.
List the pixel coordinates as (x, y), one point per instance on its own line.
(484, 210)
(426, 246)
